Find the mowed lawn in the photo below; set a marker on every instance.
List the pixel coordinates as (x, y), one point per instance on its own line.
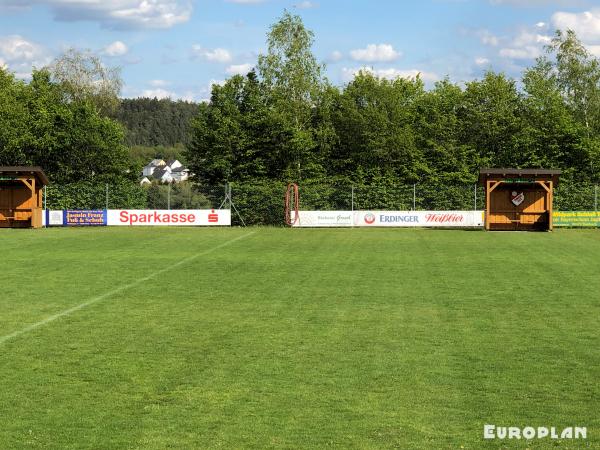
(260, 338)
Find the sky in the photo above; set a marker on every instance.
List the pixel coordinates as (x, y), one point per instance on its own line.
(180, 48)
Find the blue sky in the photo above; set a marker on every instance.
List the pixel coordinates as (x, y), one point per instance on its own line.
(179, 48)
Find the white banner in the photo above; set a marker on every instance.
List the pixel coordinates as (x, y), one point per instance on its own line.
(323, 219)
(174, 217)
(55, 218)
(390, 219)
(51, 218)
(418, 218)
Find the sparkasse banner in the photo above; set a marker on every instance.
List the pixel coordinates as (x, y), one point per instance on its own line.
(164, 217)
(464, 219)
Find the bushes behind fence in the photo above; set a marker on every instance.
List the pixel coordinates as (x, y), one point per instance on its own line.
(262, 203)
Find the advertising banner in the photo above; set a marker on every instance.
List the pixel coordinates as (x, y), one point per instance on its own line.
(576, 219)
(419, 218)
(390, 219)
(164, 217)
(319, 219)
(80, 218)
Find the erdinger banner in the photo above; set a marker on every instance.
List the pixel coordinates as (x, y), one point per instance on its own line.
(173, 217)
(418, 219)
(458, 219)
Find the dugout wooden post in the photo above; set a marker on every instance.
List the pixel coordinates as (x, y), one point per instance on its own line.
(519, 199)
(21, 196)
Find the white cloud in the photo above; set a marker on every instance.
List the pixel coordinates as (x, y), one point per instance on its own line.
(3, 65)
(481, 61)
(390, 73)
(17, 48)
(529, 52)
(585, 24)
(376, 53)
(245, 2)
(158, 93)
(218, 55)
(117, 48)
(120, 13)
(213, 82)
(594, 50)
(160, 90)
(527, 38)
(20, 55)
(335, 56)
(239, 69)
(158, 83)
(526, 45)
(487, 38)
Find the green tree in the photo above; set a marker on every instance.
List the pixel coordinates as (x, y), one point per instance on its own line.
(220, 136)
(83, 76)
(177, 196)
(68, 138)
(438, 130)
(14, 120)
(156, 122)
(375, 121)
(578, 75)
(294, 82)
(552, 136)
(575, 74)
(491, 118)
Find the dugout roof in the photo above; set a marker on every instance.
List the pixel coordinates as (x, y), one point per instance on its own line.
(24, 171)
(499, 173)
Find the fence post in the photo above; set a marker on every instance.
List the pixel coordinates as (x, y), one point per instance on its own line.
(414, 196)
(230, 193)
(107, 196)
(169, 197)
(46, 206)
(352, 204)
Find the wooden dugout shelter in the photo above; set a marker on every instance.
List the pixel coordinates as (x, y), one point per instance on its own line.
(519, 199)
(21, 196)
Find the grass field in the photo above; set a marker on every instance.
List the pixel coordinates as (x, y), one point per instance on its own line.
(276, 338)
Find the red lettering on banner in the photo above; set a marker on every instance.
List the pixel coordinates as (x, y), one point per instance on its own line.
(162, 218)
(444, 218)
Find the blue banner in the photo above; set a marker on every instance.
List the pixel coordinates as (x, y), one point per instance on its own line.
(84, 218)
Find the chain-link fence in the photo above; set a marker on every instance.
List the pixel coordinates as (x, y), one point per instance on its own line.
(262, 203)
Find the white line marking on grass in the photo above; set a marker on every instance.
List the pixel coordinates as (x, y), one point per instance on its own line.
(108, 294)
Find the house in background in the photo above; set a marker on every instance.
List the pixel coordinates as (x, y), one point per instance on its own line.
(180, 174)
(160, 171)
(149, 169)
(174, 164)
